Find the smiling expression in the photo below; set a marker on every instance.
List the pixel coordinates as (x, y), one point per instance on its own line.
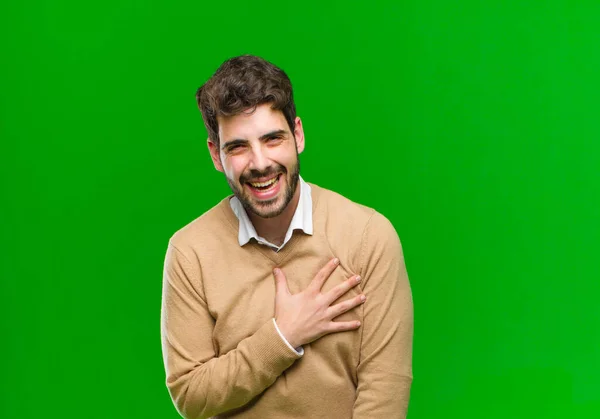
(258, 154)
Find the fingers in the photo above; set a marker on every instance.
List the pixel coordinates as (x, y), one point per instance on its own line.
(280, 282)
(342, 289)
(342, 326)
(345, 306)
(323, 274)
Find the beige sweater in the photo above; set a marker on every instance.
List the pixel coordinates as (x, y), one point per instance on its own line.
(223, 356)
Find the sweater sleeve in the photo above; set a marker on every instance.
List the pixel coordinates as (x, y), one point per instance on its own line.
(385, 367)
(200, 383)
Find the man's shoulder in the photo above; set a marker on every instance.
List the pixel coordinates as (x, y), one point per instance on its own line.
(341, 208)
(355, 231)
(344, 213)
(211, 225)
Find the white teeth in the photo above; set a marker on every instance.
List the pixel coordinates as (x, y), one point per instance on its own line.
(263, 184)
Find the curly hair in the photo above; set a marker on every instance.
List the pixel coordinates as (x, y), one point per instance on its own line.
(241, 84)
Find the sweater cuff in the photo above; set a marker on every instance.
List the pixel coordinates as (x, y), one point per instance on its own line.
(299, 350)
(270, 353)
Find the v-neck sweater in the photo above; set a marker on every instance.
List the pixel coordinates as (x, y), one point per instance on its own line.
(223, 355)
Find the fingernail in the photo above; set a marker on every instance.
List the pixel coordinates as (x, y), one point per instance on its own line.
(276, 271)
(336, 261)
(358, 279)
(363, 298)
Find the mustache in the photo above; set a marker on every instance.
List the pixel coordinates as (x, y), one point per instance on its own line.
(257, 175)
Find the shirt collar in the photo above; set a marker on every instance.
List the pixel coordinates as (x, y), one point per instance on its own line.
(302, 219)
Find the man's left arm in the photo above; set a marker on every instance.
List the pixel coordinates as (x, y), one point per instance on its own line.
(385, 367)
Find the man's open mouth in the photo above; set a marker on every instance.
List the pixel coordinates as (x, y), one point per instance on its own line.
(266, 185)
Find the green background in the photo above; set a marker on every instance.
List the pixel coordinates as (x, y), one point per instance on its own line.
(473, 126)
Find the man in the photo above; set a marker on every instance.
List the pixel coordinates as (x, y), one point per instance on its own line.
(263, 314)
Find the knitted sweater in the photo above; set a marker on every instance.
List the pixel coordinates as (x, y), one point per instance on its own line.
(223, 355)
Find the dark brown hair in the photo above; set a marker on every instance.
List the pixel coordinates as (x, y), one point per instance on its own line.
(242, 83)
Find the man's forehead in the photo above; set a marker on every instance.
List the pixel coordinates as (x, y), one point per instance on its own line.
(251, 125)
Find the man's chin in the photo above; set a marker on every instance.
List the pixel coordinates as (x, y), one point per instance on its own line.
(265, 209)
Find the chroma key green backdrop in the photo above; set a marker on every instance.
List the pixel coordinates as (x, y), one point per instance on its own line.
(473, 126)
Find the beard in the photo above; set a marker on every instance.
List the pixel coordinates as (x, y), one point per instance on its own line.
(272, 207)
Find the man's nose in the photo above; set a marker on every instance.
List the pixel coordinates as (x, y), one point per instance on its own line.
(259, 160)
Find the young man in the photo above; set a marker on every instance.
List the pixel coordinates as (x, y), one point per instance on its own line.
(264, 312)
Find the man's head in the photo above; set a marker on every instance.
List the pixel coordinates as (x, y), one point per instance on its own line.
(254, 134)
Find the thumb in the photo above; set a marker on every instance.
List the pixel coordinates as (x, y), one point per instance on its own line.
(280, 282)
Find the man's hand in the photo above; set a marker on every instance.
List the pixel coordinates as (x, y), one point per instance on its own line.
(305, 317)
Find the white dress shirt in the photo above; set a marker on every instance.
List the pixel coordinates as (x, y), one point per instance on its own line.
(302, 220)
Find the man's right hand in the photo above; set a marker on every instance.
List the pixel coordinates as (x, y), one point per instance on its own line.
(305, 317)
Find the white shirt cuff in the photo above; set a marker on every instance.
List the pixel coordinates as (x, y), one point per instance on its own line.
(299, 350)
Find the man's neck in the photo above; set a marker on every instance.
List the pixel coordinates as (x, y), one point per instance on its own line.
(274, 229)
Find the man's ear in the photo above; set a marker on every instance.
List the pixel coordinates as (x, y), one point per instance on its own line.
(299, 134)
(215, 155)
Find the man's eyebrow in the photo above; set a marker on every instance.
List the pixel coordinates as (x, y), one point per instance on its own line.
(233, 142)
(270, 134)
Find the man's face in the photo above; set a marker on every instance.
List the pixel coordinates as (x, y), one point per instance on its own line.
(259, 157)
